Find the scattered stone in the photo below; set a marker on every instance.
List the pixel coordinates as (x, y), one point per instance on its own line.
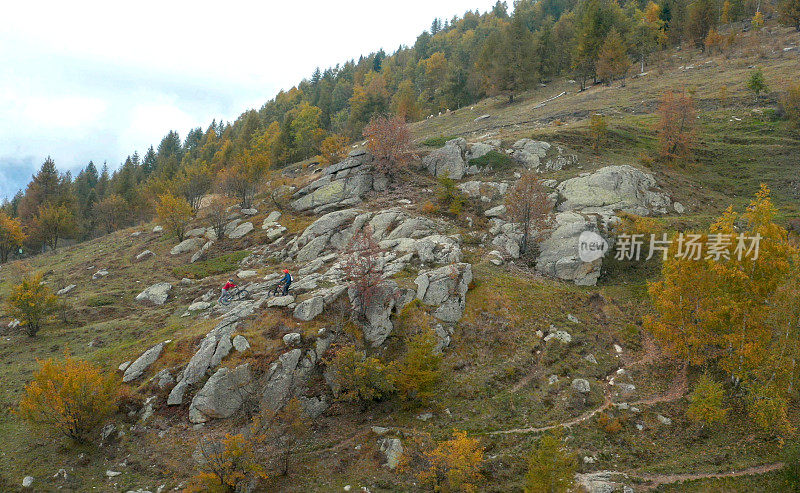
(679, 208)
(618, 348)
(581, 385)
(424, 416)
(529, 152)
(138, 367)
(590, 358)
(164, 379)
(392, 449)
(156, 294)
(65, 290)
(249, 212)
(380, 430)
(572, 318)
(200, 254)
(124, 366)
(241, 230)
(497, 211)
(245, 274)
(559, 335)
(113, 474)
(446, 288)
(99, 274)
(240, 343)
(664, 420)
(145, 254)
(27, 481)
(158, 229)
(199, 306)
(292, 339)
(552, 380)
(186, 246)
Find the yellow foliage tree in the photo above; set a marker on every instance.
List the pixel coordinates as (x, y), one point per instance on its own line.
(734, 307)
(11, 236)
(332, 149)
(417, 373)
(454, 465)
(32, 302)
(72, 397)
(229, 463)
(551, 469)
(54, 222)
(706, 402)
(174, 214)
(359, 377)
(758, 20)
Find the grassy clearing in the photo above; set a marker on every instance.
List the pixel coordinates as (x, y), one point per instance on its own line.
(211, 267)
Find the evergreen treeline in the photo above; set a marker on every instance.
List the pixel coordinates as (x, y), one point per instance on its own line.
(456, 63)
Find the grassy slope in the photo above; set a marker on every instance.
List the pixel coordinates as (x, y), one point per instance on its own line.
(498, 367)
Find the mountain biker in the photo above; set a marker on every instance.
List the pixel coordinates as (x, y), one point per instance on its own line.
(228, 286)
(287, 280)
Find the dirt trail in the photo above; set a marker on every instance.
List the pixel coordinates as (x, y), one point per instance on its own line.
(655, 480)
(677, 389)
(564, 424)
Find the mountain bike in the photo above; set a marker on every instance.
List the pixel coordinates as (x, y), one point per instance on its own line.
(238, 294)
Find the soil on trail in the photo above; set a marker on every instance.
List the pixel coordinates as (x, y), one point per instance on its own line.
(655, 480)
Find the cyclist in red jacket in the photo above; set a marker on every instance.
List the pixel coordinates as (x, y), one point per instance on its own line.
(229, 285)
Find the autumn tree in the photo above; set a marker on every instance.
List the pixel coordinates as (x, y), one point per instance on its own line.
(194, 182)
(612, 59)
(676, 126)
(405, 103)
(358, 377)
(417, 373)
(706, 402)
(790, 102)
(790, 13)
(72, 397)
(174, 214)
(598, 130)
(32, 302)
(647, 33)
(454, 465)
(758, 20)
(733, 306)
(111, 212)
(216, 213)
(389, 140)
(245, 176)
(363, 270)
(11, 236)
(551, 468)
(702, 17)
(54, 222)
(528, 205)
(231, 462)
(756, 83)
(333, 149)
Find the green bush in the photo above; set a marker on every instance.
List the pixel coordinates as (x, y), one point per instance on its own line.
(450, 197)
(100, 300)
(791, 472)
(493, 160)
(360, 377)
(211, 267)
(438, 141)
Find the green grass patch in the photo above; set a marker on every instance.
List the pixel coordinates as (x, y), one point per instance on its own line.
(493, 160)
(438, 141)
(211, 267)
(100, 300)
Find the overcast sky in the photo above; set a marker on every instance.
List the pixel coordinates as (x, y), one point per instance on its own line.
(91, 80)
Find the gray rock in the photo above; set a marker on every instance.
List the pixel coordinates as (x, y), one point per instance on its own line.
(679, 208)
(448, 161)
(379, 430)
(314, 407)
(186, 246)
(158, 229)
(241, 230)
(309, 309)
(249, 212)
(124, 366)
(199, 306)
(446, 288)
(559, 335)
(222, 395)
(478, 150)
(99, 274)
(497, 211)
(65, 290)
(164, 379)
(280, 301)
(27, 481)
(581, 385)
(138, 367)
(378, 325)
(240, 343)
(392, 449)
(613, 188)
(156, 294)
(559, 254)
(145, 254)
(201, 254)
(201, 362)
(529, 153)
(292, 339)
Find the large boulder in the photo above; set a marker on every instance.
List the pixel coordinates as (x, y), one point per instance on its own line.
(446, 288)
(559, 254)
(241, 230)
(309, 309)
(201, 362)
(379, 307)
(342, 185)
(138, 367)
(222, 395)
(186, 246)
(156, 294)
(613, 188)
(529, 153)
(448, 161)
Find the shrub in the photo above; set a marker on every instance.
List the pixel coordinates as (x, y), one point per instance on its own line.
(551, 469)
(217, 215)
(437, 141)
(417, 374)
(529, 206)
(174, 214)
(791, 104)
(610, 425)
(449, 196)
(362, 270)
(429, 207)
(454, 465)
(705, 402)
(757, 83)
(72, 397)
(493, 160)
(676, 126)
(598, 129)
(332, 149)
(791, 471)
(359, 377)
(389, 140)
(229, 463)
(211, 267)
(32, 303)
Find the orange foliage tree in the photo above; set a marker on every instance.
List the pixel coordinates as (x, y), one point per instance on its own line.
(389, 140)
(72, 397)
(528, 205)
(676, 126)
(454, 465)
(738, 313)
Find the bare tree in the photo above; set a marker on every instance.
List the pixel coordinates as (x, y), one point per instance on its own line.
(389, 140)
(362, 269)
(528, 205)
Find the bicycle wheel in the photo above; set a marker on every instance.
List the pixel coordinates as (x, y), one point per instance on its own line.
(225, 300)
(244, 294)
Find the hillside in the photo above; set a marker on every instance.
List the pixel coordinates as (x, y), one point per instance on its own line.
(526, 349)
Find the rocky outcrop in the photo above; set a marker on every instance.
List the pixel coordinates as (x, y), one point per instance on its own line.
(392, 449)
(446, 289)
(380, 305)
(448, 161)
(341, 185)
(241, 230)
(529, 153)
(156, 294)
(222, 395)
(309, 309)
(212, 348)
(613, 188)
(142, 363)
(559, 254)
